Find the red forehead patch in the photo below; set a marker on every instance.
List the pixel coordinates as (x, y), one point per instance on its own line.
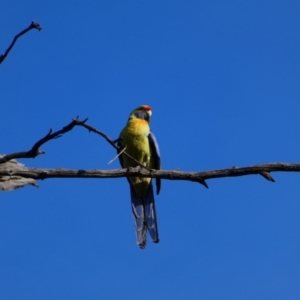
(146, 107)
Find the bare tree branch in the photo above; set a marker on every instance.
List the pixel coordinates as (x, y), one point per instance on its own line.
(200, 177)
(33, 25)
(35, 151)
(19, 171)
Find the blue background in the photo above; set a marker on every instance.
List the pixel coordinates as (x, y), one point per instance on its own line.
(223, 79)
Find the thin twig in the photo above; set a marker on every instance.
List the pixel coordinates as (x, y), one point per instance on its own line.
(33, 25)
(267, 176)
(123, 150)
(93, 129)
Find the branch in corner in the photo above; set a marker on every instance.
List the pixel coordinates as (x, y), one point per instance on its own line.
(33, 25)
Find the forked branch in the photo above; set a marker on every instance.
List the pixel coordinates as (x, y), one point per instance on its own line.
(200, 177)
(35, 151)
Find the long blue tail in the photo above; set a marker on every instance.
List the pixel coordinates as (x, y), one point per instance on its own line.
(144, 216)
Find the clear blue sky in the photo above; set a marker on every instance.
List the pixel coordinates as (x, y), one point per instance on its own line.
(223, 79)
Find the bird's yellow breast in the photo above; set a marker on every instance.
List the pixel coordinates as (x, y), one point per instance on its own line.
(135, 139)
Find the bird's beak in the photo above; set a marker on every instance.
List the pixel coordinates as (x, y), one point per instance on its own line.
(149, 112)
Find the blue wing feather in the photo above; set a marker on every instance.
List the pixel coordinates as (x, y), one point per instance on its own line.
(156, 158)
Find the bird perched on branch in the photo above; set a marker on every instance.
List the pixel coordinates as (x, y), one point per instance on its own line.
(140, 143)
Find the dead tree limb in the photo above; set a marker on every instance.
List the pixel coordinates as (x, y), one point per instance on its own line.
(41, 174)
(33, 25)
(12, 182)
(35, 151)
(20, 171)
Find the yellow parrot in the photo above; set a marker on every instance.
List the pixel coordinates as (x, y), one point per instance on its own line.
(141, 144)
